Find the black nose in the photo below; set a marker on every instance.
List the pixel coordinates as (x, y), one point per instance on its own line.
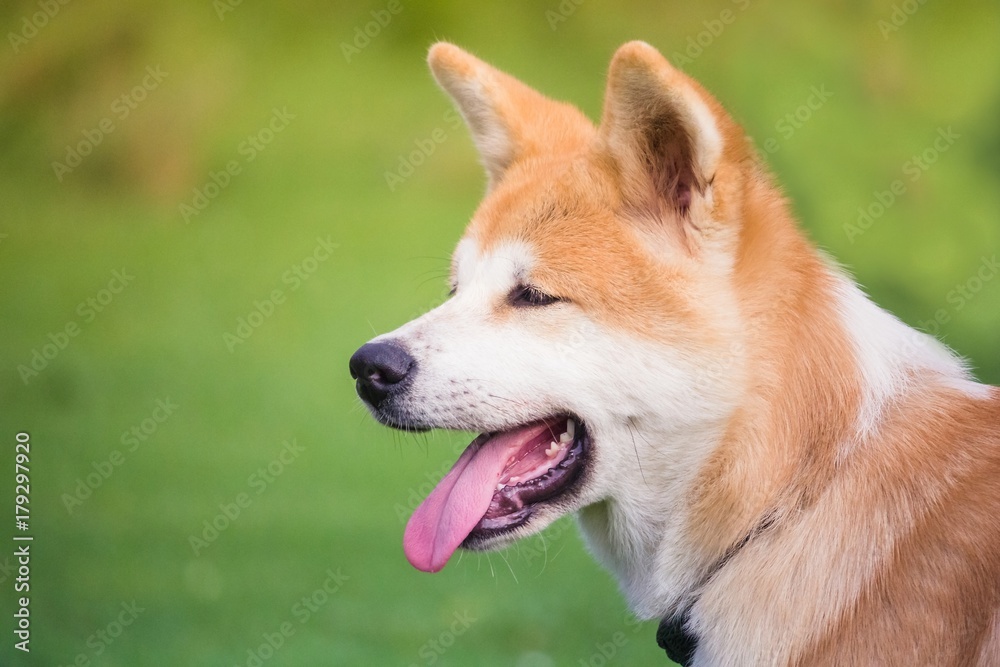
(379, 368)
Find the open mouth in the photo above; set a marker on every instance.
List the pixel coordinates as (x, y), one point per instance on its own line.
(495, 486)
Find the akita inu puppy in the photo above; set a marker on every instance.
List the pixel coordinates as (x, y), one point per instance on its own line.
(780, 470)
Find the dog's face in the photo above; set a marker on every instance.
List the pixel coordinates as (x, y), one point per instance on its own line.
(591, 335)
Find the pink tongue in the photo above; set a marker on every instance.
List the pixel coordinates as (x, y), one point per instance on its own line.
(461, 498)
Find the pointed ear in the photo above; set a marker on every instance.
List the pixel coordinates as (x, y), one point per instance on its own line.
(508, 119)
(660, 127)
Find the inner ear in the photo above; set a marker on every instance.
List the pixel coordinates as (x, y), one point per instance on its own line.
(659, 128)
(668, 161)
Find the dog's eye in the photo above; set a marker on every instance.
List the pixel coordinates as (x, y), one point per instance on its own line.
(526, 295)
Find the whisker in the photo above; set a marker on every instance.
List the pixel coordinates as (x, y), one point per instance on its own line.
(501, 554)
(504, 398)
(493, 573)
(634, 447)
(437, 258)
(436, 277)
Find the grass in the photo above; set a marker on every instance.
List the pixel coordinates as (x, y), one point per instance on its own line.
(338, 505)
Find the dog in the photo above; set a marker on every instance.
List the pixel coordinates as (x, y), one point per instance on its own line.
(779, 470)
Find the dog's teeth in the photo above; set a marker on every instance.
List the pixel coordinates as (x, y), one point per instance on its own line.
(553, 449)
(500, 486)
(515, 479)
(570, 429)
(565, 437)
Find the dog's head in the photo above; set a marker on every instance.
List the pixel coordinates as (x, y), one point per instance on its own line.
(592, 334)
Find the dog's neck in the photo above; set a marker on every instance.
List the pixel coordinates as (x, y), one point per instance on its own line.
(819, 389)
(640, 537)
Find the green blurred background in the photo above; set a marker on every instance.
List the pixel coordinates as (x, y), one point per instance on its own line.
(883, 80)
